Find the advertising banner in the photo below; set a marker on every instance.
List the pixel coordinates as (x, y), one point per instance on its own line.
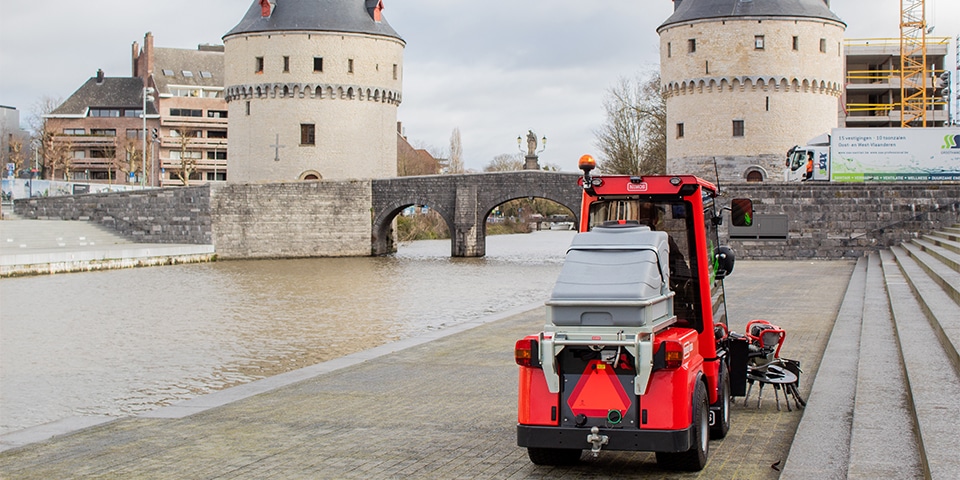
(895, 154)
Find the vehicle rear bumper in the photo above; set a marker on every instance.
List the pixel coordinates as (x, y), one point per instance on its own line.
(619, 439)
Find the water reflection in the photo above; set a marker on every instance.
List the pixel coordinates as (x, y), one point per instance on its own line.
(126, 341)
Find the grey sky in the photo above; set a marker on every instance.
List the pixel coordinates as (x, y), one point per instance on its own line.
(493, 68)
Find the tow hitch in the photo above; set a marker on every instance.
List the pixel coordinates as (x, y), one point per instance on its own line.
(597, 440)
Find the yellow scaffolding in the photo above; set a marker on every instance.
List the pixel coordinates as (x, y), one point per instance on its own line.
(913, 63)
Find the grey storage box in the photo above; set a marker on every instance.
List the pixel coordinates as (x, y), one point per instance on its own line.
(613, 276)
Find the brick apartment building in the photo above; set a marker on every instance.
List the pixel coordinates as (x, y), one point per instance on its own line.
(97, 133)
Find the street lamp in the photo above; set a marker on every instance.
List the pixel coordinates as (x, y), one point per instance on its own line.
(36, 144)
(532, 156)
(154, 157)
(147, 96)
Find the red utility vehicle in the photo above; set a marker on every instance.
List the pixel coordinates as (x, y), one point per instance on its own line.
(635, 354)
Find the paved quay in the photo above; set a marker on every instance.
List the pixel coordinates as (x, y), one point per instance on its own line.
(432, 407)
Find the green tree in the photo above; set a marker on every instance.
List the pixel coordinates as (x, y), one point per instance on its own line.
(633, 141)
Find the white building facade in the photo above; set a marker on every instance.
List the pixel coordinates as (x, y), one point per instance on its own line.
(313, 88)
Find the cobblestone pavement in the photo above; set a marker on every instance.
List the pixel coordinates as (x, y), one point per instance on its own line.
(444, 409)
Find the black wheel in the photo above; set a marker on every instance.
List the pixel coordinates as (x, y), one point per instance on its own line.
(554, 456)
(721, 423)
(696, 458)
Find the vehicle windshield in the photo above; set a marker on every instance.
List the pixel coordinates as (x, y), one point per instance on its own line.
(667, 215)
(798, 159)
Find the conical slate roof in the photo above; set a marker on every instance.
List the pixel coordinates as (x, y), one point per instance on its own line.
(351, 16)
(689, 10)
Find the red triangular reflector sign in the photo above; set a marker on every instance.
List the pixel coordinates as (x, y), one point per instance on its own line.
(598, 391)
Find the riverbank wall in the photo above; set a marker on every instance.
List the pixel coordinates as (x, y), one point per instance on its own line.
(840, 220)
(329, 219)
(242, 221)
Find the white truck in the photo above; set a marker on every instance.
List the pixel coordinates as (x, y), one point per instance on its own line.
(878, 154)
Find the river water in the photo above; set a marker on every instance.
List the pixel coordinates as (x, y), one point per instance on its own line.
(122, 342)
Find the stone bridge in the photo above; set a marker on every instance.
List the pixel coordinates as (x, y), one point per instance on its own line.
(464, 202)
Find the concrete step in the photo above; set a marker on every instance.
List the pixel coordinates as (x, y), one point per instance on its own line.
(951, 234)
(944, 255)
(941, 310)
(934, 385)
(951, 245)
(942, 274)
(821, 446)
(881, 409)
(8, 214)
(55, 234)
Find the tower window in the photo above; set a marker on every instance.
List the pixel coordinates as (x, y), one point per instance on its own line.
(692, 45)
(679, 130)
(796, 42)
(758, 42)
(396, 70)
(823, 45)
(259, 65)
(738, 128)
(349, 65)
(248, 107)
(317, 64)
(669, 50)
(308, 132)
(286, 64)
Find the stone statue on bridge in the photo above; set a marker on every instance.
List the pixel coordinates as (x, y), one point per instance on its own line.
(531, 143)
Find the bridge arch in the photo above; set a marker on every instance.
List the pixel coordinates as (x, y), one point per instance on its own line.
(464, 202)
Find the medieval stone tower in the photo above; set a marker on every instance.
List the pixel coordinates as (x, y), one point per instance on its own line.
(313, 88)
(745, 80)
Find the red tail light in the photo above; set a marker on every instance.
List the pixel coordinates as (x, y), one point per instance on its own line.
(527, 352)
(673, 354)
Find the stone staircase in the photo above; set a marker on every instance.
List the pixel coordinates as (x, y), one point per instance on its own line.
(18, 235)
(886, 400)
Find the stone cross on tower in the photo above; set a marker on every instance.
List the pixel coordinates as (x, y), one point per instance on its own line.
(276, 146)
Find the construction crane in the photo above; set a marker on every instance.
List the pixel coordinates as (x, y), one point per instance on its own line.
(913, 64)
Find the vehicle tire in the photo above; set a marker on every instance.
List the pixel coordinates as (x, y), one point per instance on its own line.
(722, 426)
(695, 459)
(554, 456)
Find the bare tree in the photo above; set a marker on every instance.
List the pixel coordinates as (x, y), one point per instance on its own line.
(43, 133)
(455, 164)
(132, 161)
(505, 162)
(188, 161)
(15, 154)
(57, 156)
(633, 141)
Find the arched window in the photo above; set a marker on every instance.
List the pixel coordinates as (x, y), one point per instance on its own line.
(311, 175)
(755, 173)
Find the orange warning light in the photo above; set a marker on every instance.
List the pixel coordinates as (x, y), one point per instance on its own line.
(587, 163)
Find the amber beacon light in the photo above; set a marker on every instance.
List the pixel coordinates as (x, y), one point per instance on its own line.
(587, 163)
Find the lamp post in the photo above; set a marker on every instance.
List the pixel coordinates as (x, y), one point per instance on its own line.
(36, 144)
(532, 157)
(154, 178)
(147, 96)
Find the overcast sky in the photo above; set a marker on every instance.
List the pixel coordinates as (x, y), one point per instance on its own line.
(492, 68)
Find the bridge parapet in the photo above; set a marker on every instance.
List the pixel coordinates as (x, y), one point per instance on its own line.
(464, 202)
